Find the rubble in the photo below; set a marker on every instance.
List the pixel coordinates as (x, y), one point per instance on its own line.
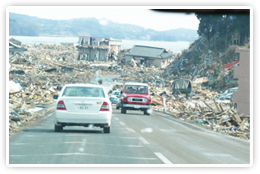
(33, 83)
(209, 114)
(33, 80)
(200, 108)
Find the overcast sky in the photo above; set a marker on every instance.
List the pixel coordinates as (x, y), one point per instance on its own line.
(141, 16)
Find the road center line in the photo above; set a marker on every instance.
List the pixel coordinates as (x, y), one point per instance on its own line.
(49, 115)
(130, 130)
(143, 140)
(83, 142)
(122, 123)
(163, 158)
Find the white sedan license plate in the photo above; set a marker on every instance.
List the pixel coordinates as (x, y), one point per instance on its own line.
(136, 106)
(82, 107)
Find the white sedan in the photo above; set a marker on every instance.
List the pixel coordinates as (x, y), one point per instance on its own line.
(83, 105)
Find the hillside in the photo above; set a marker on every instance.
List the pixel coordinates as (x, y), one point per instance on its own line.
(24, 25)
(220, 35)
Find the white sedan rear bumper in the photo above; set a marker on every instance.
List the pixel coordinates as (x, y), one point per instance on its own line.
(103, 117)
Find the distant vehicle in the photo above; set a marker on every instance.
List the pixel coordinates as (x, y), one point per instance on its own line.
(226, 97)
(135, 96)
(116, 93)
(118, 105)
(114, 97)
(181, 86)
(100, 82)
(227, 92)
(83, 105)
(94, 83)
(118, 68)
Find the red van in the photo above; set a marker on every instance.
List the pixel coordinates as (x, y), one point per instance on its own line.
(135, 96)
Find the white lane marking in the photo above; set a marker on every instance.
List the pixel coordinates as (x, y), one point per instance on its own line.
(116, 118)
(118, 127)
(168, 130)
(130, 130)
(81, 149)
(163, 158)
(49, 115)
(84, 142)
(87, 154)
(122, 123)
(143, 140)
(79, 142)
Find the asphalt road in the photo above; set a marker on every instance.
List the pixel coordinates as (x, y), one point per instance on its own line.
(134, 139)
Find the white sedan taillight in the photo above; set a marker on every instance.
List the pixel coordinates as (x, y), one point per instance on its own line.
(104, 107)
(61, 105)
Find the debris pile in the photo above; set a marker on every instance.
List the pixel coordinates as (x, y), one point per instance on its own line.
(34, 77)
(33, 81)
(217, 67)
(200, 108)
(150, 75)
(211, 114)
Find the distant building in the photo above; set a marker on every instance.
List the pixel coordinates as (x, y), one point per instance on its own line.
(16, 42)
(15, 50)
(242, 73)
(97, 48)
(155, 56)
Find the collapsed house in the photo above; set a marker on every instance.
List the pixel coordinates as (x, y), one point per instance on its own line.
(97, 48)
(149, 56)
(15, 51)
(16, 42)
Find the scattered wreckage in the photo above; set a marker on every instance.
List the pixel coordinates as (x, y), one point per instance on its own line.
(33, 82)
(200, 106)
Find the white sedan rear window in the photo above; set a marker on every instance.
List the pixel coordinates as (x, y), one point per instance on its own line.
(83, 92)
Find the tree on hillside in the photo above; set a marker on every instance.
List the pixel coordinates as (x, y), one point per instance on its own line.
(219, 28)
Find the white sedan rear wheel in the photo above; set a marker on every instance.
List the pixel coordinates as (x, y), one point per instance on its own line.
(107, 129)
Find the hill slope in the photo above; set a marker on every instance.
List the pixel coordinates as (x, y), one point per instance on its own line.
(24, 25)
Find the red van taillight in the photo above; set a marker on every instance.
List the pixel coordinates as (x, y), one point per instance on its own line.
(104, 107)
(61, 105)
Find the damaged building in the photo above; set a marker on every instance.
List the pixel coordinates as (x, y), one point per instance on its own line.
(15, 51)
(97, 48)
(242, 73)
(150, 56)
(16, 42)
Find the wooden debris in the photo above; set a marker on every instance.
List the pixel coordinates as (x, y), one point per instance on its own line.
(208, 105)
(216, 104)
